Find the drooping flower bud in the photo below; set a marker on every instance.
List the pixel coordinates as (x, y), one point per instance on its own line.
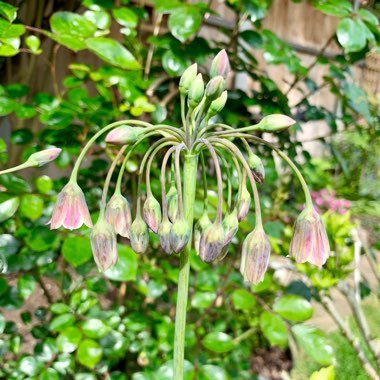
(187, 79)
(179, 234)
(104, 245)
(310, 242)
(164, 235)
(118, 214)
(71, 210)
(139, 235)
(43, 157)
(220, 65)
(244, 204)
(124, 134)
(196, 91)
(230, 225)
(275, 123)
(172, 201)
(212, 242)
(152, 212)
(215, 87)
(217, 105)
(257, 167)
(223, 253)
(199, 228)
(255, 256)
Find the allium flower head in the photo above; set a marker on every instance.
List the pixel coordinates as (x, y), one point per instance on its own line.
(118, 214)
(310, 242)
(104, 245)
(71, 210)
(255, 256)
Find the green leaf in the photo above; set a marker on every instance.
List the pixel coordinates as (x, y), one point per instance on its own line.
(339, 8)
(69, 339)
(89, 353)
(9, 245)
(125, 17)
(314, 342)
(71, 24)
(274, 329)
(213, 372)
(77, 250)
(368, 16)
(327, 373)
(7, 105)
(21, 136)
(202, 300)
(185, 22)
(8, 208)
(99, 18)
(8, 11)
(26, 285)
(59, 308)
(62, 322)
(31, 206)
(2, 323)
(352, 35)
(252, 38)
(294, 308)
(33, 43)
(30, 366)
(95, 328)
(7, 50)
(8, 30)
(113, 53)
(218, 342)
(173, 64)
(126, 266)
(73, 43)
(49, 374)
(44, 184)
(41, 239)
(243, 300)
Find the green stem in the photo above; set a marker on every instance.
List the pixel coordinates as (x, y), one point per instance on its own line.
(15, 168)
(189, 185)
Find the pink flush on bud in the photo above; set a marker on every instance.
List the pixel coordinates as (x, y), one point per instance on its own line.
(71, 210)
(310, 242)
(44, 156)
(220, 65)
(118, 214)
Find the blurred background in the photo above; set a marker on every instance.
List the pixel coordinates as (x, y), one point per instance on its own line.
(68, 68)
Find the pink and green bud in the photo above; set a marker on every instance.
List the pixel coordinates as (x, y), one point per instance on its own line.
(179, 235)
(152, 212)
(202, 224)
(139, 235)
(310, 242)
(244, 204)
(218, 104)
(164, 235)
(124, 134)
(71, 210)
(257, 167)
(187, 79)
(230, 225)
(196, 91)
(212, 242)
(220, 65)
(215, 88)
(255, 256)
(118, 215)
(104, 245)
(172, 201)
(43, 157)
(275, 123)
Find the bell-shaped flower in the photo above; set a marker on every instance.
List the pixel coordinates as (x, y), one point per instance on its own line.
(199, 228)
(172, 201)
(152, 212)
(257, 167)
(310, 242)
(118, 214)
(179, 234)
(212, 242)
(104, 245)
(255, 256)
(244, 204)
(71, 210)
(230, 225)
(139, 235)
(164, 235)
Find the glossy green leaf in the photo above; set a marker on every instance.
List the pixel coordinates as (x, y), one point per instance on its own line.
(339, 8)
(252, 38)
(2, 323)
(62, 322)
(26, 285)
(8, 244)
(213, 372)
(95, 328)
(69, 339)
(126, 266)
(99, 18)
(44, 184)
(314, 342)
(243, 299)
(33, 43)
(274, 329)
(202, 300)
(125, 17)
(77, 250)
(294, 308)
(352, 35)
(21, 136)
(49, 374)
(173, 64)
(31, 206)
(7, 105)
(8, 30)
(71, 24)
(59, 308)
(8, 11)
(185, 21)
(89, 353)
(30, 366)
(218, 342)
(112, 52)
(71, 42)
(327, 373)
(368, 16)
(8, 208)
(7, 50)
(41, 239)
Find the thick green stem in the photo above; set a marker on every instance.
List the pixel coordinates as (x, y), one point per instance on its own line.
(189, 187)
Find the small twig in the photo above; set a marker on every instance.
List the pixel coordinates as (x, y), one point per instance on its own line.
(44, 288)
(122, 291)
(149, 57)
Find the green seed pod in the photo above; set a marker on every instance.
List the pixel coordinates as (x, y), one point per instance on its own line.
(196, 92)
(201, 225)
(139, 235)
(164, 235)
(211, 243)
(230, 225)
(124, 134)
(215, 88)
(257, 167)
(172, 201)
(275, 123)
(217, 105)
(152, 212)
(244, 204)
(187, 79)
(179, 235)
